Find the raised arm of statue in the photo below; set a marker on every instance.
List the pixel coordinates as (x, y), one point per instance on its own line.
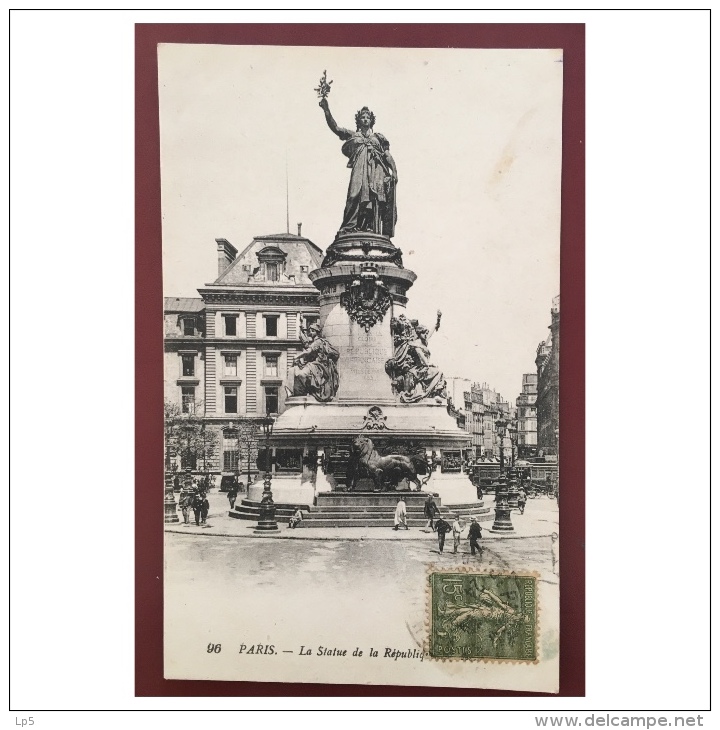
(334, 128)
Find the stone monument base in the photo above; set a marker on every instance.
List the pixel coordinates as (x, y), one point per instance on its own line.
(452, 488)
(286, 489)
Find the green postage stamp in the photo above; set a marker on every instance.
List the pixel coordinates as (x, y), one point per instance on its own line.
(488, 616)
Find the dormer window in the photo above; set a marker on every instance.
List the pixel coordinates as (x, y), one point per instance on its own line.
(188, 324)
(272, 263)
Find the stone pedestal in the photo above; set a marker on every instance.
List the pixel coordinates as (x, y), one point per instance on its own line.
(502, 521)
(513, 494)
(266, 523)
(363, 285)
(171, 514)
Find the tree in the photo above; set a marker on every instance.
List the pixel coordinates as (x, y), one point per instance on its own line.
(189, 437)
(248, 435)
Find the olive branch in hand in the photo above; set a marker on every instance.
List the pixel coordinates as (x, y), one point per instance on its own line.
(324, 88)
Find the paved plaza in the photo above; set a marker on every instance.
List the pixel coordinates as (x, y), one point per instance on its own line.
(328, 587)
(540, 520)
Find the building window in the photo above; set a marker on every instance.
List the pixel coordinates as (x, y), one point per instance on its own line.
(310, 319)
(231, 399)
(272, 400)
(230, 325)
(189, 326)
(271, 272)
(188, 366)
(231, 454)
(271, 366)
(271, 326)
(188, 399)
(230, 367)
(231, 460)
(304, 269)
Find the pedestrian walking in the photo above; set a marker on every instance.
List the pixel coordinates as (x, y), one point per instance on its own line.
(204, 508)
(442, 528)
(475, 534)
(232, 495)
(457, 529)
(522, 500)
(196, 505)
(400, 515)
(431, 509)
(185, 508)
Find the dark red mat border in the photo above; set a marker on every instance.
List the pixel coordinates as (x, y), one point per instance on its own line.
(149, 334)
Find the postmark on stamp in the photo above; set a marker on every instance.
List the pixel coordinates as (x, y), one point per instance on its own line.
(481, 615)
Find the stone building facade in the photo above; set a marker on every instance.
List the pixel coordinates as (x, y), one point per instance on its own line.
(548, 385)
(481, 407)
(527, 417)
(229, 353)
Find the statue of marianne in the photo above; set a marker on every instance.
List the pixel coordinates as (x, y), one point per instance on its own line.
(370, 202)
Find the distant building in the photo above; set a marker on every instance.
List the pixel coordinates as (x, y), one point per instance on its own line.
(547, 361)
(527, 417)
(480, 407)
(229, 352)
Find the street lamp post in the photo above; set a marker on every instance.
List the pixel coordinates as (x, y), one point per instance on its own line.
(235, 463)
(512, 432)
(170, 505)
(502, 507)
(267, 521)
(514, 492)
(187, 487)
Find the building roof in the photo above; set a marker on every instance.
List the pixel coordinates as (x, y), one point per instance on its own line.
(302, 257)
(184, 304)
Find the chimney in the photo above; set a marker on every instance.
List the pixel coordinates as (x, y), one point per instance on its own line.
(299, 229)
(226, 254)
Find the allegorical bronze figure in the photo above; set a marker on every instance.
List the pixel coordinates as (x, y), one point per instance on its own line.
(370, 204)
(315, 369)
(412, 374)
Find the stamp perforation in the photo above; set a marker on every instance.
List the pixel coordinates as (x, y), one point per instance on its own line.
(434, 569)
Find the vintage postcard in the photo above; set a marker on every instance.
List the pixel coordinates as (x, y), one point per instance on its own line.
(361, 278)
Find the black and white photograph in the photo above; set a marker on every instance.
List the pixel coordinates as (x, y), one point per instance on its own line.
(361, 337)
(315, 445)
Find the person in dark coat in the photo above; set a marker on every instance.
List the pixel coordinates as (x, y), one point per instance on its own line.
(431, 509)
(474, 534)
(232, 494)
(442, 528)
(196, 505)
(204, 508)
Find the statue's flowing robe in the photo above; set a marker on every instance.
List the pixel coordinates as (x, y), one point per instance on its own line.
(319, 376)
(370, 201)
